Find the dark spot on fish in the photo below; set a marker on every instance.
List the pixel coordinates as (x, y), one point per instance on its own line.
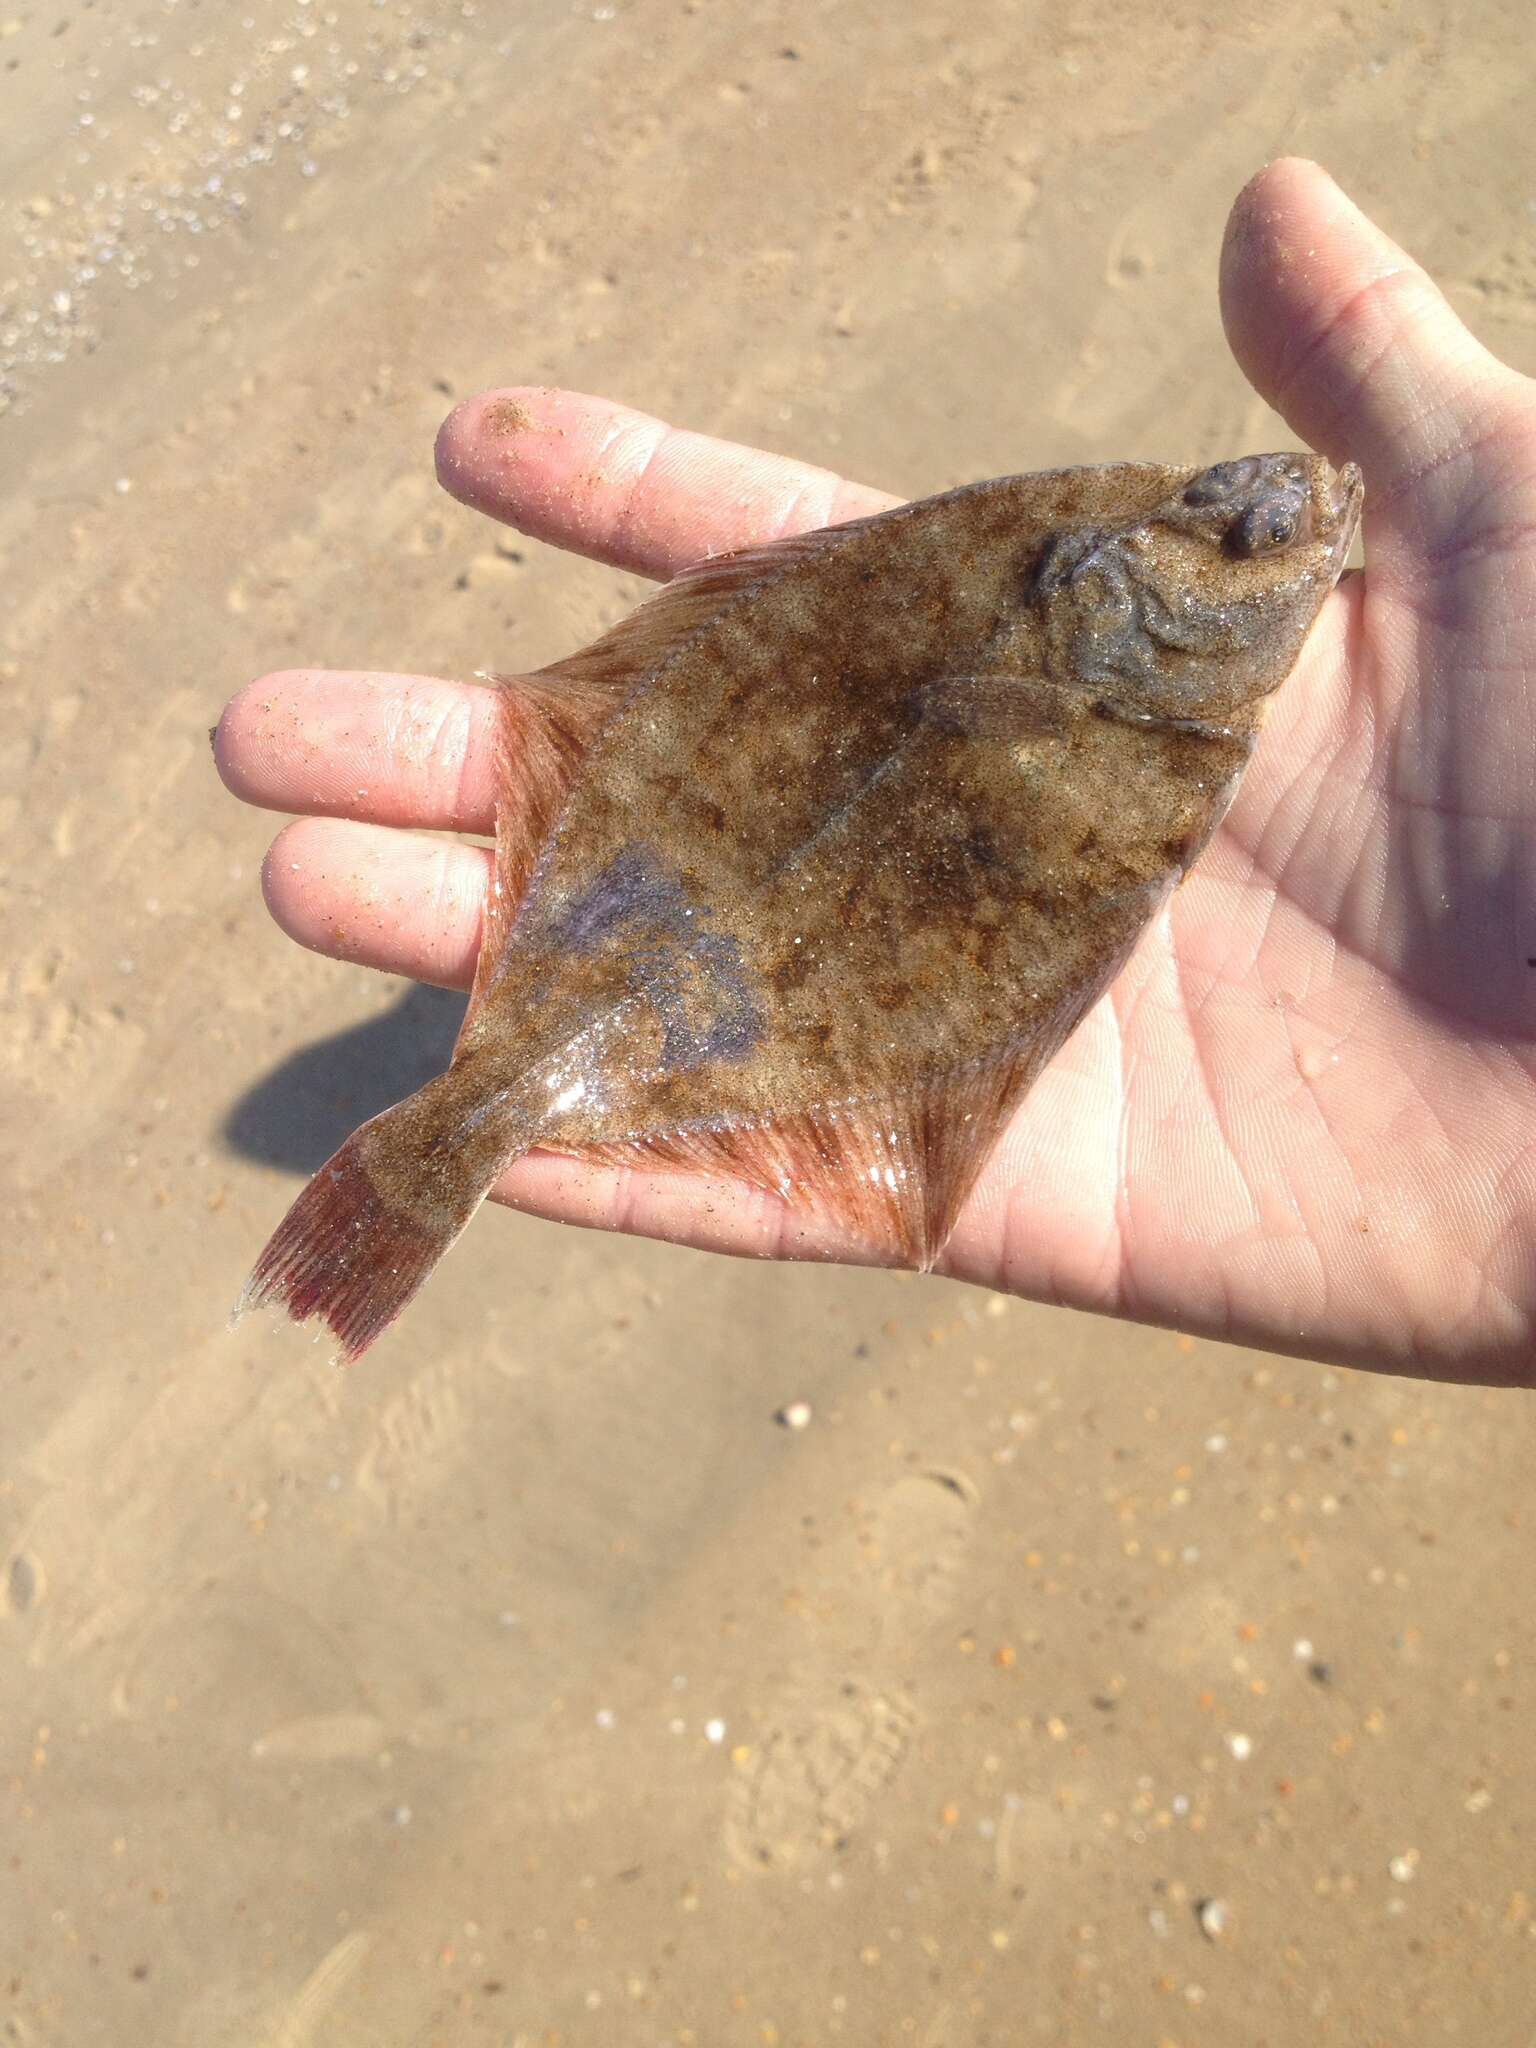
(981, 847)
(693, 977)
(790, 971)
(698, 989)
(634, 889)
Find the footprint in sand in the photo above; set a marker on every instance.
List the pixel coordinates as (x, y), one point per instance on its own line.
(826, 1755)
(822, 1765)
(917, 1537)
(416, 1441)
(296, 2026)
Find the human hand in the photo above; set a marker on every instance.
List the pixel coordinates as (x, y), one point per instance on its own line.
(1305, 1115)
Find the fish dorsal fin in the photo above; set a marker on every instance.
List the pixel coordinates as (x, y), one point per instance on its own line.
(666, 621)
(546, 725)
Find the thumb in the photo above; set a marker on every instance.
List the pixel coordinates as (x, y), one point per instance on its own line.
(1348, 339)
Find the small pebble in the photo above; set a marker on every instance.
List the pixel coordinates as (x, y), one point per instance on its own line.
(1213, 1915)
(714, 1731)
(1405, 1867)
(1241, 1747)
(795, 1415)
(24, 1583)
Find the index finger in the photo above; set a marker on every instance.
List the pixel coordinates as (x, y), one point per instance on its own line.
(625, 488)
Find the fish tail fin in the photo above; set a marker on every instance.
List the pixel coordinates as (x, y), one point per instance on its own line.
(373, 1222)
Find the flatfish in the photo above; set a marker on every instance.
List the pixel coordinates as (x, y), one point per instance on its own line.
(806, 868)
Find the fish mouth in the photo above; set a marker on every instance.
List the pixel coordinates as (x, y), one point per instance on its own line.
(1337, 498)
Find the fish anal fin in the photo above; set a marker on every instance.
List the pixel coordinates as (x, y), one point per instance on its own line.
(670, 617)
(891, 1172)
(889, 1176)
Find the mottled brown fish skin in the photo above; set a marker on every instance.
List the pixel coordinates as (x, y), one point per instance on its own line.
(808, 867)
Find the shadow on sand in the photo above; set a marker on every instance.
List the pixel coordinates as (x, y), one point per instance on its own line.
(306, 1107)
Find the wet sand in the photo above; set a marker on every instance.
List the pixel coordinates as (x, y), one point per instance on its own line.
(532, 1685)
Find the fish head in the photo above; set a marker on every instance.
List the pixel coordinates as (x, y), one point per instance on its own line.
(1262, 506)
(1199, 605)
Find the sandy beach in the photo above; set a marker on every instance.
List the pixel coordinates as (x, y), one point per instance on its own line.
(533, 1684)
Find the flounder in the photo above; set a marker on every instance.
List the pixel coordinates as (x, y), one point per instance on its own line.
(807, 868)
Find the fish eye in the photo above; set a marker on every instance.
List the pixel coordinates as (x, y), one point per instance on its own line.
(1221, 482)
(1264, 528)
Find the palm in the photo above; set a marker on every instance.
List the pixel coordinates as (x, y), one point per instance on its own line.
(1304, 1110)
(1306, 1114)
